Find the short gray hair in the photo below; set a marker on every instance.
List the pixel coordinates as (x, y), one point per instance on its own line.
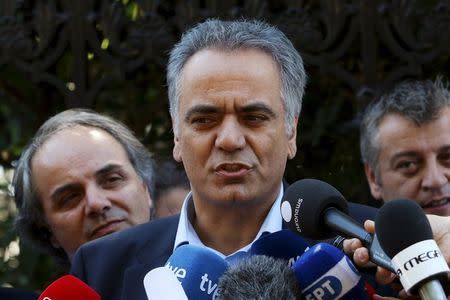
(30, 221)
(419, 101)
(235, 35)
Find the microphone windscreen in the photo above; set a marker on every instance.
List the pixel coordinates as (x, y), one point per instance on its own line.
(198, 269)
(161, 283)
(283, 244)
(405, 235)
(304, 203)
(69, 287)
(400, 224)
(325, 272)
(259, 277)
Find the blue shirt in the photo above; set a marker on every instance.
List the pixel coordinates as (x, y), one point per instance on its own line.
(186, 232)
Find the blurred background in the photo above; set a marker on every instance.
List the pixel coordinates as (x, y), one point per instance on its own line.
(110, 56)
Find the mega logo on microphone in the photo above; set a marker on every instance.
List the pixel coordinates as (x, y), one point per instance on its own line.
(198, 269)
(412, 267)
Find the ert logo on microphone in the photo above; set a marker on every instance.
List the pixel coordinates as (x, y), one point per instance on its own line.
(413, 262)
(329, 287)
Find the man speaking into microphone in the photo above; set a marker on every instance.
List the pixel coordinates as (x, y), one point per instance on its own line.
(235, 90)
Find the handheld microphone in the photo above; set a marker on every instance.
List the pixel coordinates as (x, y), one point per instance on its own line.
(198, 269)
(69, 287)
(283, 244)
(312, 207)
(325, 272)
(406, 236)
(259, 277)
(161, 284)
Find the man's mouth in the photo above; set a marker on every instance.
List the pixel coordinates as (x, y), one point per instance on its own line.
(106, 228)
(436, 203)
(232, 169)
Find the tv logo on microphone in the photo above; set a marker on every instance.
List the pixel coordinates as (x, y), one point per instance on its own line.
(416, 260)
(211, 287)
(286, 212)
(179, 272)
(206, 285)
(328, 287)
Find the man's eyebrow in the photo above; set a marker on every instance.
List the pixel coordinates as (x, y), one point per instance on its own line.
(201, 109)
(258, 107)
(403, 154)
(109, 168)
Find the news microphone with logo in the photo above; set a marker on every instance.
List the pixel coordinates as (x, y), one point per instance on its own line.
(259, 277)
(317, 210)
(283, 244)
(325, 273)
(405, 234)
(69, 287)
(198, 269)
(161, 284)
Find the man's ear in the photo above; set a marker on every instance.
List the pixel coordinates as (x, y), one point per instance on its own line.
(375, 186)
(176, 149)
(292, 140)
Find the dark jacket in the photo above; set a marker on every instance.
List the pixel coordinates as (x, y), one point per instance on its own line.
(115, 265)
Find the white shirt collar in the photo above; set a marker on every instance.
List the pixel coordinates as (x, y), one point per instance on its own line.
(187, 234)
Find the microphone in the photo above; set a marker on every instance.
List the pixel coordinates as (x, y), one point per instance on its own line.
(283, 244)
(69, 287)
(198, 269)
(325, 272)
(406, 236)
(259, 277)
(161, 283)
(312, 207)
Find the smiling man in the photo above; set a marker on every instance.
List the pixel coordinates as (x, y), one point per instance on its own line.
(405, 145)
(83, 176)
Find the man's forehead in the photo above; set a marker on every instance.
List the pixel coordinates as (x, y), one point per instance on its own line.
(78, 141)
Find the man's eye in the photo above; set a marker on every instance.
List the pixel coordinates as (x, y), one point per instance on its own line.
(407, 166)
(255, 118)
(445, 157)
(67, 201)
(112, 180)
(201, 120)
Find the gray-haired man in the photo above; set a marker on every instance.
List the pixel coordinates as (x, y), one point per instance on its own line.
(82, 176)
(405, 145)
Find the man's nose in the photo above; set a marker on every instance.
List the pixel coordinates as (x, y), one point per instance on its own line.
(230, 136)
(97, 201)
(435, 176)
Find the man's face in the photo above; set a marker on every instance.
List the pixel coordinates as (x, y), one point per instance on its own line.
(414, 162)
(231, 136)
(87, 186)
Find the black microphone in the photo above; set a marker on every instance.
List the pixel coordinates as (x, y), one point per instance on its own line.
(259, 277)
(405, 234)
(312, 207)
